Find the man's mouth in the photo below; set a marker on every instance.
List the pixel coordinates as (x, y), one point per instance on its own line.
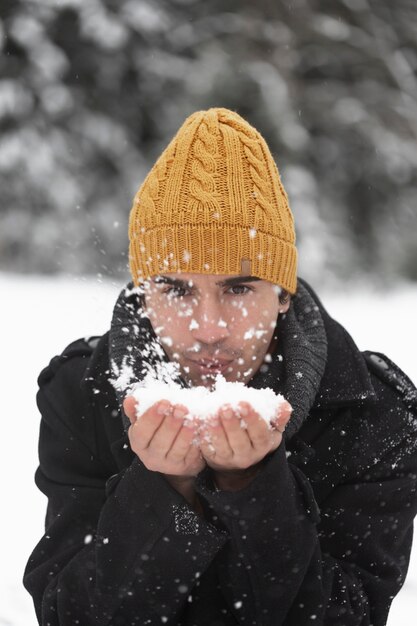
(212, 366)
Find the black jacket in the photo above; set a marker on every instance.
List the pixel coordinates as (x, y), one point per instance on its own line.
(321, 536)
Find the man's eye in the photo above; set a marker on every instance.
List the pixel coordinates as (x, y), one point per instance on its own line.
(240, 290)
(177, 292)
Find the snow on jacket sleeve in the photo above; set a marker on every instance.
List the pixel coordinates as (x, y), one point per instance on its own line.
(126, 558)
(289, 564)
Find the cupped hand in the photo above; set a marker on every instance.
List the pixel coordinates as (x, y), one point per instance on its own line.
(163, 440)
(239, 439)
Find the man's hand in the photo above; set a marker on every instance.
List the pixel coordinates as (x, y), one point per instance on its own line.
(163, 442)
(232, 443)
(239, 440)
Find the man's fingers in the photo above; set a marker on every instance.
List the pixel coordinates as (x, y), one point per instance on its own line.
(144, 428)
(284, 411)
(283, 416)
(167, 432)
(233, 439)
(129, 407)
(214, 442)
(181, 446)
(257, 429)
(194, 455)
(275, 440)
(236, 432)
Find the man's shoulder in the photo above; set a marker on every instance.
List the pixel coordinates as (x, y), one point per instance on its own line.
(67, 395)
(388, 376)
(74, 360)
(388, 425)
(69, 400)
(361, 377)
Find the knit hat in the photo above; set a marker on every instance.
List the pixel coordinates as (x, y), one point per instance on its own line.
(213, 203)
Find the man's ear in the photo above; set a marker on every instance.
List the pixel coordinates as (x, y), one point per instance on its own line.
(144, 298)
(284, 306)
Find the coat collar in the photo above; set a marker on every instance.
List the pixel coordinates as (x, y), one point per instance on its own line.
(346, 379)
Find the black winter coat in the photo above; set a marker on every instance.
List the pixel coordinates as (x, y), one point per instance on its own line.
(321, 536)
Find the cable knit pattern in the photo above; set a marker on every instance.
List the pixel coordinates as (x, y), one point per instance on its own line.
(203, 168)
(259, 174)
(148, 194)
(214, 204)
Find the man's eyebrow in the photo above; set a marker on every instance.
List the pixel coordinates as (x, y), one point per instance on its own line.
(182, 284)
(167, 280)
(237, 280)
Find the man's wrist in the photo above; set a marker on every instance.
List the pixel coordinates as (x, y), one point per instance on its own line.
(235, 480)
(185, 485)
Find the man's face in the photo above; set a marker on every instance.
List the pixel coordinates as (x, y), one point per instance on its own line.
(212, 324)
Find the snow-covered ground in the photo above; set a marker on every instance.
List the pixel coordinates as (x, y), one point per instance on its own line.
(40, 316)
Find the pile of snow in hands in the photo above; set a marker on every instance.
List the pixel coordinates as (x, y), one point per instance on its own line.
(202, 402)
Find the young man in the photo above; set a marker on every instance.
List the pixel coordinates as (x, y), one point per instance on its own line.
(157, 520)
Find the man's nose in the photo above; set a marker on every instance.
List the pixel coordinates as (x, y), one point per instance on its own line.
(208, 325)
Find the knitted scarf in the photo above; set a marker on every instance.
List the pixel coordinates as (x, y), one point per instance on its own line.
(295, 371)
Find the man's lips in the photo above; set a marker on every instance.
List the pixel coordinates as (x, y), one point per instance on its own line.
(211, 364)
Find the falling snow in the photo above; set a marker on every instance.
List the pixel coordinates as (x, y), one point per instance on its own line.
(124, 375)
(253, 332)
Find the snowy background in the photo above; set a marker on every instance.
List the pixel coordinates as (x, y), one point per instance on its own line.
(40, 316)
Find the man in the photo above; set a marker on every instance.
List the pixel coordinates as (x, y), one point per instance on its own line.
(159, 520)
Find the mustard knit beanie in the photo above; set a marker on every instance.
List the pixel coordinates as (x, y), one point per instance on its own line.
(214, 203)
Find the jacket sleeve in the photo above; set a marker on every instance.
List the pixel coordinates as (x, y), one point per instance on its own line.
(289, 564)
(128, 557)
